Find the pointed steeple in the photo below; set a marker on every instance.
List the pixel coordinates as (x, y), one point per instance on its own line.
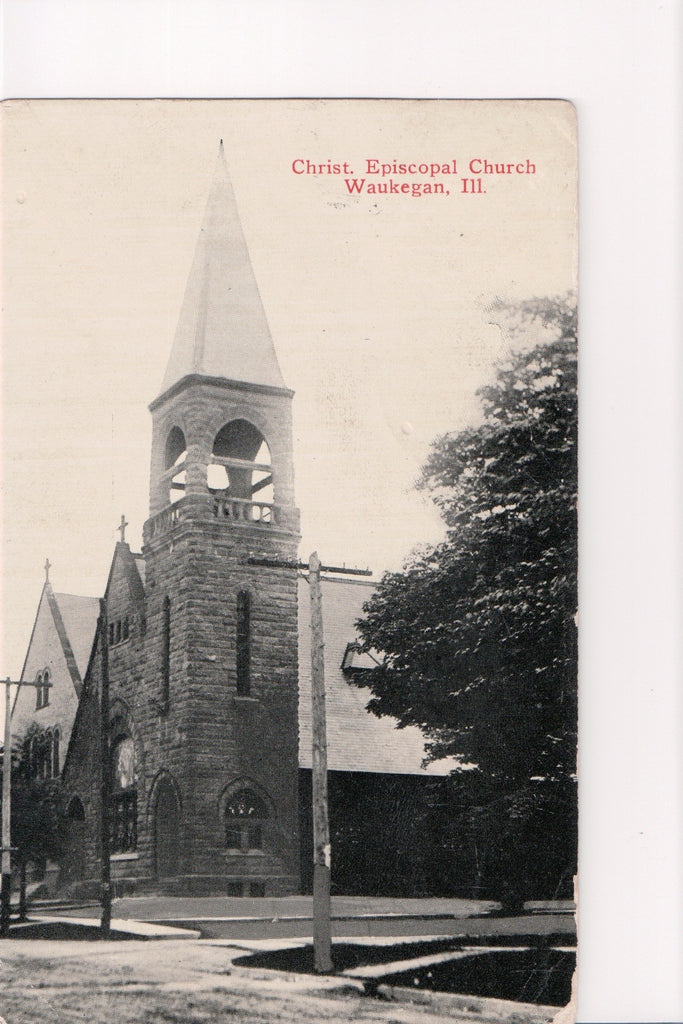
(222, 330)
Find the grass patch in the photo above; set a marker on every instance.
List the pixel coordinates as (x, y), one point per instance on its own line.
(538, 974)
(528, 976)
(143, 1007)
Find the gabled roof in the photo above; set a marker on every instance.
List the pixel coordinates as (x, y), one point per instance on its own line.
(133, 567)
(357, 741)
(222, 331)
(74, 618)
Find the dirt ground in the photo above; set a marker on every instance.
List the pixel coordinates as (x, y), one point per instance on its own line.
(185, 982)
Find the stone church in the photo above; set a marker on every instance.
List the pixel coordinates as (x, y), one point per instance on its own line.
(204, 641)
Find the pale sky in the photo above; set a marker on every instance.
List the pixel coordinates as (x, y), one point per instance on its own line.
(376, 305)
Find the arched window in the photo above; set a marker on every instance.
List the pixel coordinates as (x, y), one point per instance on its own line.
(42, 689)
(124, 821)
(245, 818)
(47, 755)
(75, 810)
(41, 742)
(243, 643)
(174, 464)
(55, 754)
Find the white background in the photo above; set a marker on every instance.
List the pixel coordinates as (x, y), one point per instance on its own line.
(619, 61)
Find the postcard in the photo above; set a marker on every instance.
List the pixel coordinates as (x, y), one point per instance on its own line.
(290, 554)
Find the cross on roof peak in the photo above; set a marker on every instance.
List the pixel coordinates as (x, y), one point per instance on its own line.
(47, 567)
(122, 529)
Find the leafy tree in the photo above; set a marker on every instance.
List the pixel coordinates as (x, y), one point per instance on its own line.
(37, 825)
(479, 632)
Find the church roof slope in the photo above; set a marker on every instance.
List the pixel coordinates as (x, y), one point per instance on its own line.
(79, 615)
(140, 563)
(357, 741)
(222, 329)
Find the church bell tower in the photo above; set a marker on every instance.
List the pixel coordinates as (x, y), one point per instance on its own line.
(221, 668)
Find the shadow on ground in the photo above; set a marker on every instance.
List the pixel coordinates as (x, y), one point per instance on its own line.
(529, 972)
(67, 931)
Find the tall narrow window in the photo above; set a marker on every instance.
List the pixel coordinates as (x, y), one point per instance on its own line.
(47, 755)
(166, 653)
(42, 689)
(55, 754)
(243, 642)
(124, 797)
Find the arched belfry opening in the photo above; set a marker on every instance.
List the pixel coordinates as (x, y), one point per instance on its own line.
(240, 474)
(174, 464)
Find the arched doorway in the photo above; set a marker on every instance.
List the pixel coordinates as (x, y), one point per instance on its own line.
(166, 825)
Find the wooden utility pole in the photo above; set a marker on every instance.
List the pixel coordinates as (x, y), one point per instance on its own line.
(105, 776)
(7, 806)
(322, 932)
(321, 830)
(6, 818)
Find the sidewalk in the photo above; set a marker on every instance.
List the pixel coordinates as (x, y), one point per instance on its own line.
(290, 917)
(162, 908)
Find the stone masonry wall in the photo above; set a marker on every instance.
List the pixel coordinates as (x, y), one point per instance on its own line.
(209, 738)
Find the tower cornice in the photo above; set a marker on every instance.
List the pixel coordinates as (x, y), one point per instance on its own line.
(192, 379)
